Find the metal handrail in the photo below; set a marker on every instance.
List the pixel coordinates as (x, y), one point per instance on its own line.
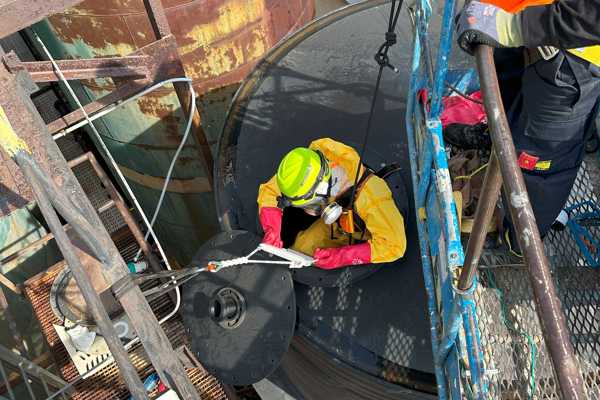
(503, 169)
(28, 369)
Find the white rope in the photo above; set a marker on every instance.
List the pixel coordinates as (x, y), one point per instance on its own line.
(89, 120)
(293, 259)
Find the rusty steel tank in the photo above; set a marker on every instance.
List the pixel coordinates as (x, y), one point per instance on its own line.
(219, 42)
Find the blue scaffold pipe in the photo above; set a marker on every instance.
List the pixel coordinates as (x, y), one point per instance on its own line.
(474, 353)
(448, 341)
(443, 57)
(423, 187)
(454, 252)
(426, 262)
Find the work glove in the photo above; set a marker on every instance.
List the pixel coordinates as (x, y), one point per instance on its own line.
(480, 23)
(270, 220)
(336, 257)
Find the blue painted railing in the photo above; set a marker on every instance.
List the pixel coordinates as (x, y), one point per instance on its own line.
(459, 368)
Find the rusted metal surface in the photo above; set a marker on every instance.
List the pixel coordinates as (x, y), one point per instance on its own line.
(19, 14)
(22, 115)
(124, 91)
(15, 193)
(119, 203)
(219, 41)
(134, 67)
(70, 300)
(165, 50)
(106, 383)
(9, 284)
(92, 299)
(485, 209)
(158, 18)
(549, 310)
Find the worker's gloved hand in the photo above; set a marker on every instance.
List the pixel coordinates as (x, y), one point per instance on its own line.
(336, 257)
(270, 220)
(480, 23)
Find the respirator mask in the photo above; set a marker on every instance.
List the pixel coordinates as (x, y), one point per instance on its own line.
(319, 205)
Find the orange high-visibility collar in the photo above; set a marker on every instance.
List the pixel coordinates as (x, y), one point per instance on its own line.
(514, 6)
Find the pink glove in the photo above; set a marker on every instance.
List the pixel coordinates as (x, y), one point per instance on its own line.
(336, 257)
(270, 219)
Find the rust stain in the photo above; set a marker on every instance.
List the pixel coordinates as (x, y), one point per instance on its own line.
(165, 113)
(225, 21)
(155, 108)
(108, 7)
(208, 62)
(219, 40)
(104, 36)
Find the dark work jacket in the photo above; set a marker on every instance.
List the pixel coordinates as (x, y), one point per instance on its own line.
(564, 24)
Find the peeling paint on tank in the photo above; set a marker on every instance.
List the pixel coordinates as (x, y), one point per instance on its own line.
(101, 36)
(215, 38)
(229, 18)
(213, 61)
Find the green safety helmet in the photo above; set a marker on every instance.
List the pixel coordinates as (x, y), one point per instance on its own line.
(299, 174)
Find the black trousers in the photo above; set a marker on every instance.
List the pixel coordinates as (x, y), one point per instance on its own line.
(550, 106)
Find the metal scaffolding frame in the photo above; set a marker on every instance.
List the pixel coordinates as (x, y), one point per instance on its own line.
(451, 277)
(503, 170)
(43, 175)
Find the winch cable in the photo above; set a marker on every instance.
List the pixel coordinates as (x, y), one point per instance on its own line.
(381, 57)
(292, 259)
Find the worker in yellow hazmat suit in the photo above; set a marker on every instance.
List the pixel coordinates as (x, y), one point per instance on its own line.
(320, 179)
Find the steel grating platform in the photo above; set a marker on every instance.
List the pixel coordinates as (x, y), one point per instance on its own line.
(509, 325)
(107, 382)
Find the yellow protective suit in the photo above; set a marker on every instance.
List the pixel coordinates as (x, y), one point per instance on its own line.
(374, 205)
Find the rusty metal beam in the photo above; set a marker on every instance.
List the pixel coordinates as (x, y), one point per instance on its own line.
(160, 26)
(25, 120)
(549, 309)
(127, 90)
(165, 63)
(134, 67)
(485, 209)
(92, 298)
(119, 203)
(19, 14)
(162, 65)
(9, 284)
(158, 18)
